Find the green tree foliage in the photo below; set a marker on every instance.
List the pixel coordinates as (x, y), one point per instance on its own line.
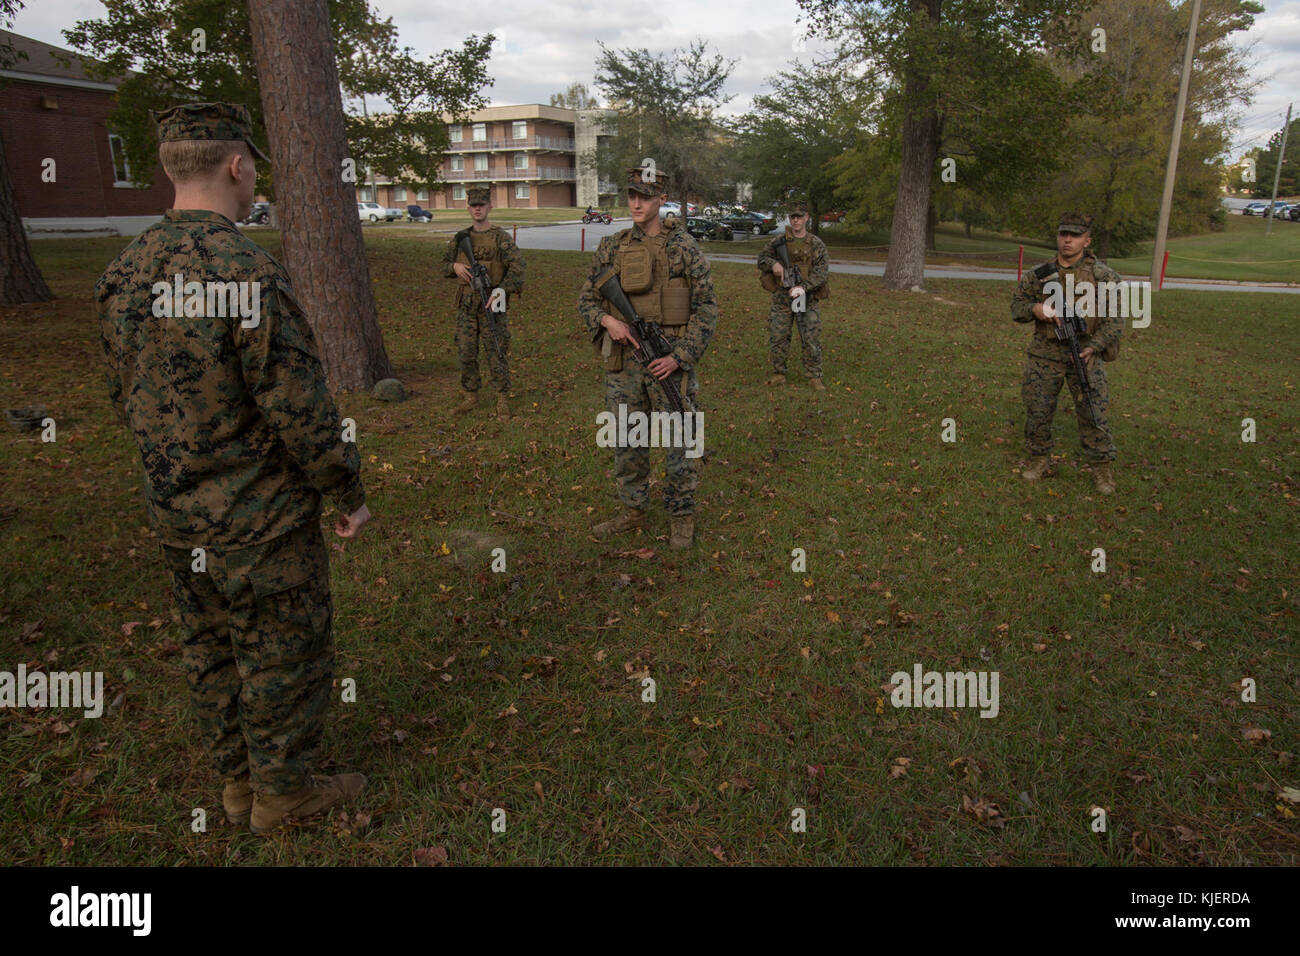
(787, 142)
(667, 105)
(576, 97)
(1266, 165)
(1117, 138)
(172, 63)
(961, 80)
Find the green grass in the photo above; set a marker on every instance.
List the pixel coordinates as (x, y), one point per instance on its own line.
(1242, 251)
(518, 690)
(847, 243)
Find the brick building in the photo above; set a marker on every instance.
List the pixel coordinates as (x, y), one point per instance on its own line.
(529, 156)
(49, 111)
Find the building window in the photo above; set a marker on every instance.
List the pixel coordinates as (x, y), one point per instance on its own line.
(422, 195)
(521, 190)
(519, 129)
(480, 132)
(454, 133)
(121, 170)
(457, 163)
(457, 192)
(480, 162)
(399, 194)
(521, 160)
(366, 194)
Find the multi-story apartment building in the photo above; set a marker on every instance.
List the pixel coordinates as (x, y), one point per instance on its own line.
(529, 156)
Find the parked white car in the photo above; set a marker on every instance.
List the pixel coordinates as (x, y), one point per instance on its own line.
(375, 212)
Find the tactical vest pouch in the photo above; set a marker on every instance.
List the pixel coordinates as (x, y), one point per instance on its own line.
(676, 304)
(635, 268)
(768, 280)
(609, 352)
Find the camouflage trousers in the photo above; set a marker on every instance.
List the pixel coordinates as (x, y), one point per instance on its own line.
(1042, 385)
(258, 653)
(471, 327)
(637, 389)
(779, 321)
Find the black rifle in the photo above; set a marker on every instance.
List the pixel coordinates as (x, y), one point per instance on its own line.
(790, 276)
(650, 339)
(478, 278)
(1071, 328)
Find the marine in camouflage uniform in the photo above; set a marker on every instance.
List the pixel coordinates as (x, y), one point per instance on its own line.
(496, 252)
(808, 253)
(1048, 364)
(239, 438)
(675, 290)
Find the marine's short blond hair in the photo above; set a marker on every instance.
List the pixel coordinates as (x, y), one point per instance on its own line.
(187, 159)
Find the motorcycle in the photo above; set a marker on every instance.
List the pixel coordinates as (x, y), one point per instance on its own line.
(591, 216)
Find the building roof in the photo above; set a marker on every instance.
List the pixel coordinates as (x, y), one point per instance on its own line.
(44, 60)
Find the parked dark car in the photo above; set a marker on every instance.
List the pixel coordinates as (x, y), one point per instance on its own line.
(702, 228)
(1294, 213)
(753, 223)
(416, 214)
(259, 213)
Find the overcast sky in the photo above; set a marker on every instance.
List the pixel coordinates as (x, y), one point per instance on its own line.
(544, 46)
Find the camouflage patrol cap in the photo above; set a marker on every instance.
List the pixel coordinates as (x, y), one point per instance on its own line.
(796, 207)
(478, 194)
(647, 181)
(216, 121)
(1075, 222)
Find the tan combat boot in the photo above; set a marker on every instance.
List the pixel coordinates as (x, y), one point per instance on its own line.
(470, 401)
(628, 520)
(1040, 466)
(777, 379)
(237, 800)
(817, 385)
(503, 408)
(683, 532)
(317, 795)
(1103, 479)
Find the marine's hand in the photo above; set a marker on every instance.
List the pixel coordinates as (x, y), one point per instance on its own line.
(663, 367)
(1087, 355)
(350, 526)
(796, 291)
(778, 270)
(619, 331)
(462, 271)
(1044, 312)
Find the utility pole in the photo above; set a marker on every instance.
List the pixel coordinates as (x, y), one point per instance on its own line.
(1162, 230)
(1281, 155)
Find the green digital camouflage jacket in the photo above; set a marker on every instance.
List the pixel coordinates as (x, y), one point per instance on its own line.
(821, 263)
(235, 424)
(1106, 330)
(685, 260)
(511, 260)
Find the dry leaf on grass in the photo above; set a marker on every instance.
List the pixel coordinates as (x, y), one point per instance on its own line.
(985, 811)
(431, 856)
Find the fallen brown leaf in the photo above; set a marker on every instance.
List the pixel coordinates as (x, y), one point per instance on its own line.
(431, 856)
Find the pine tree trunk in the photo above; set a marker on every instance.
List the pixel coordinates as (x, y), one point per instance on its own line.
(907, 236)
(20, 281)
(323, 248)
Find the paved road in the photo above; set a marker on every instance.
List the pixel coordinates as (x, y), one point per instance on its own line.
(570, 236)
